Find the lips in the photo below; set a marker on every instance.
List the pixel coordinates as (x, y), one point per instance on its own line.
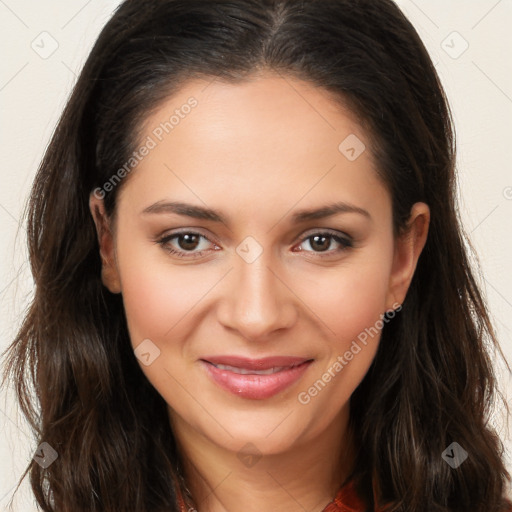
(265, 363)
(255, 378)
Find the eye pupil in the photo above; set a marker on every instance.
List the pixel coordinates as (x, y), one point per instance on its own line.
(320, 246)
(188, 241)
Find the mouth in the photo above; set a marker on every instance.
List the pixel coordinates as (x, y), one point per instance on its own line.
(255, 379)
(243, 371)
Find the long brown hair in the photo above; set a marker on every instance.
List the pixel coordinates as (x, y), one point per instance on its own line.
(431, 382)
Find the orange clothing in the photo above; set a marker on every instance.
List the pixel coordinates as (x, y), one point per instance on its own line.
(346, 500)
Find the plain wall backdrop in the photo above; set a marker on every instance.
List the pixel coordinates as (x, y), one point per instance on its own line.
(44, 45)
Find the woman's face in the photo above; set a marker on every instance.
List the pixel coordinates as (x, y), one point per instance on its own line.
(255, 226)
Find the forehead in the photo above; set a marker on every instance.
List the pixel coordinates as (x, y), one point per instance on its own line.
(267, 112)
(269, 140)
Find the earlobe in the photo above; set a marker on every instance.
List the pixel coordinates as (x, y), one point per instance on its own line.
(408, 247)
(109, 271)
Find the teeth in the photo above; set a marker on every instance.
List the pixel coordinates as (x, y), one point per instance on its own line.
(243, 371)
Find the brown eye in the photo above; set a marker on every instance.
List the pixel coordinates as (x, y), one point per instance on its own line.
(323, 243)
(185, 244)
(320, 242)
(188, 241)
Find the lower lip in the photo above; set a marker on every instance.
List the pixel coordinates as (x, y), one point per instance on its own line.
(255, 387)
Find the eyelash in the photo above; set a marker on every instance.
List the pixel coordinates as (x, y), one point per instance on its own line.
(345, 242)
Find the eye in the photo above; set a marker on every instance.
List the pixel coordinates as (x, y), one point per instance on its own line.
(190, 244)
(185, 244)
(321, 241)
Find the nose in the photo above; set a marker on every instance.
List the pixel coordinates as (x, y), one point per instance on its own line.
(257, 301)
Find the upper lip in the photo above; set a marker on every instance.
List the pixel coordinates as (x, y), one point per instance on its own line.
(264, 363)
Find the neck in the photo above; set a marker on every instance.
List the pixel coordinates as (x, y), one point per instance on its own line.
(304, 477)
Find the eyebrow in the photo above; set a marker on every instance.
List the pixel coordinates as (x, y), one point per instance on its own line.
(200, 212)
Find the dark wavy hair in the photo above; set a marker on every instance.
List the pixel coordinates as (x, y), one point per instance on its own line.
(76, 376)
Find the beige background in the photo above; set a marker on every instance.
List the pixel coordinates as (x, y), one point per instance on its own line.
(469, 41)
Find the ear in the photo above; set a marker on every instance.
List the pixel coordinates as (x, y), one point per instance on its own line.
(109, 270)
(408, 247)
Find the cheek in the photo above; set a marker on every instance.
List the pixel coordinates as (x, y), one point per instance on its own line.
(151, 304)
(351, 298)
(157, 295)
(159, 300)
(351, 303)
(359, 305)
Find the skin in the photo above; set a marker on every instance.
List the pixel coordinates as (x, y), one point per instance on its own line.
(258, 152)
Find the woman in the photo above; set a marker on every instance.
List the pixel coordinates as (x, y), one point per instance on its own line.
(252, 288)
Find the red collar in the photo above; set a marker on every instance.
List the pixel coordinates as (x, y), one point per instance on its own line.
(346, 500)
